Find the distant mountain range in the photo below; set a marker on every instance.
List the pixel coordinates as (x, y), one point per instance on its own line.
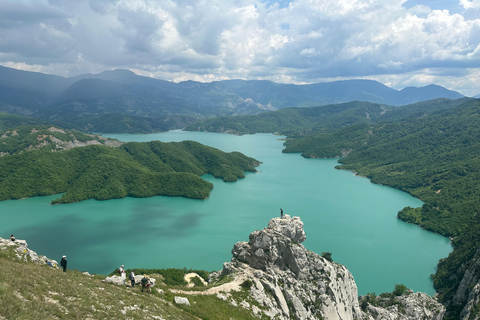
(121, 101)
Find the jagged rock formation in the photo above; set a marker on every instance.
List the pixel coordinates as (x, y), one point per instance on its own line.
(288, 281)
(410, 305)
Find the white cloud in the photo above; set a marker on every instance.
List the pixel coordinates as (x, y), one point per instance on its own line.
(470, 4)
(304, 41)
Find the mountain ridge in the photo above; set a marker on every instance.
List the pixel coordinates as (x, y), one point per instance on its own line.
(120, 91)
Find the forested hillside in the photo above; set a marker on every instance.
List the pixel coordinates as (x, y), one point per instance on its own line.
(97, 171)
(307, 120)
(294, 120)
(436, 158)
(8, 120)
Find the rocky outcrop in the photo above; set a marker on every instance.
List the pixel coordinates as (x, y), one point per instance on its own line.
(286, 281)
(118, 280)
(22, 251)
(289, 281)
(409, 306)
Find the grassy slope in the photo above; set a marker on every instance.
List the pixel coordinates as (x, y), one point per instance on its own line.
(31, 291)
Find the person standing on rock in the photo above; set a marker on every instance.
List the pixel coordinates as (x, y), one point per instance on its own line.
(63, 263)
(281, 213)
(132, 278)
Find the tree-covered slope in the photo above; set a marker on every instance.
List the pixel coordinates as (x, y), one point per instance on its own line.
(435, 158)
(31, 137)
(301, 121)
(97, 171)
(295, 120)
(8, 120)
(116, 122)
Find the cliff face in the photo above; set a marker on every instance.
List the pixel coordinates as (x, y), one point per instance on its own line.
(465, 304)
(288, 281)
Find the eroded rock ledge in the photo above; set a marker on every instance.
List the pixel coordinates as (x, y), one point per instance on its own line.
(288, 281)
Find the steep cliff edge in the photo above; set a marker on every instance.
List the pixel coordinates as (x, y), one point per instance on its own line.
(289, 281)
(463, 301)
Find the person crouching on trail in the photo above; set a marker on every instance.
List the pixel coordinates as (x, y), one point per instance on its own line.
(146, 284)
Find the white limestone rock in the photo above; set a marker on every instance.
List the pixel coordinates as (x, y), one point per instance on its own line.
(119, 280)
(409, 306)
(116, 280)
(23, 252)
(288, 280)
(181, 300)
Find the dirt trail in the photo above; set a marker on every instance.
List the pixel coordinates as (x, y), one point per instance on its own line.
(226, 287)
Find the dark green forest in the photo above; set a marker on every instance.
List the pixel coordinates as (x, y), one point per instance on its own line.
(292, 121)
(296, 122)
(101, 172)
(436, 158)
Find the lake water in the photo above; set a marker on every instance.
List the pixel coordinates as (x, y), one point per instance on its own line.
(343, 214)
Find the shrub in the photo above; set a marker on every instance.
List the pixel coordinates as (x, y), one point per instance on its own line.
(399, 290)
(328, 256)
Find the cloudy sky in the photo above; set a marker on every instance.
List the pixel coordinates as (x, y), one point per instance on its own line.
(397, 42)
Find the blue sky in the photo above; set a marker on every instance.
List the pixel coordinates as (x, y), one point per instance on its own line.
(399, 43)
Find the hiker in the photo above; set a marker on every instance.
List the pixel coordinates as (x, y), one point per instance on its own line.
(123, 275)
(63, 263)
(146, 284)
(281, 213)
(12, 238)
(132, 278)
(48, 262)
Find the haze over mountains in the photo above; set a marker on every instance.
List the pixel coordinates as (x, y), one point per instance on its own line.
(140, 104)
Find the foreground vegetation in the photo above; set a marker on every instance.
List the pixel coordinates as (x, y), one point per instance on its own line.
(100, 172)
(31, 291)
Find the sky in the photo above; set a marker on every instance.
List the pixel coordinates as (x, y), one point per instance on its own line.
(399, 43)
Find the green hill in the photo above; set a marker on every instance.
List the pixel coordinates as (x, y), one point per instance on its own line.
(8, 121)
(295, 120)
(435, 158)
(96, 171)
(307, 120)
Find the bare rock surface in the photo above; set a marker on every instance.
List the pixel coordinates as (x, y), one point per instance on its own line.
(23, 252)
(287, 281)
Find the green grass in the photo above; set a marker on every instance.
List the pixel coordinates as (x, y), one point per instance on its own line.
(32, 291)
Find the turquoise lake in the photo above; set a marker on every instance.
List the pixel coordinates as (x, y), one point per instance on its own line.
(343, 214)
